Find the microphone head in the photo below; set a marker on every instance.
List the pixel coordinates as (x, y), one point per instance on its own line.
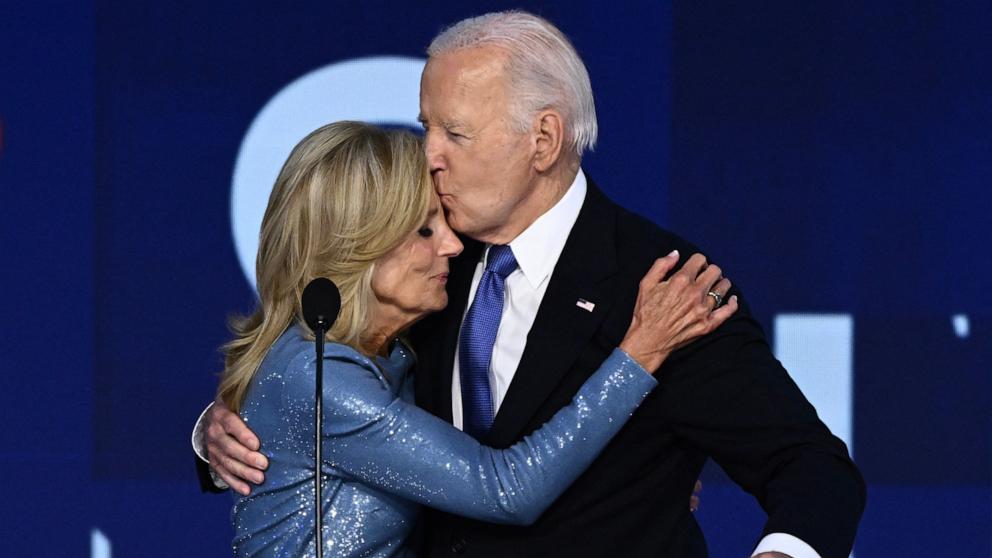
(321, 303)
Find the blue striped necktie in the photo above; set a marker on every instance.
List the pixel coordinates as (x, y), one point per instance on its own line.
(475, 348)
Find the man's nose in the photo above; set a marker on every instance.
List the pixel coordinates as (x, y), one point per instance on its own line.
(432, 150)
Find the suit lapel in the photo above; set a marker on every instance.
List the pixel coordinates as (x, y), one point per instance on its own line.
(562, 327)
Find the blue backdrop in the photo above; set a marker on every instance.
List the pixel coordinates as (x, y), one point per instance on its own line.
(834, 157)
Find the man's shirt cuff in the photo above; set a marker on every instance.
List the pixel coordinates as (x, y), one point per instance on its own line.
(786, 544)
(199, 447)
(198, 442)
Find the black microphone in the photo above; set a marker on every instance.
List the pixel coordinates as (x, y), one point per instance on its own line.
(321, 304)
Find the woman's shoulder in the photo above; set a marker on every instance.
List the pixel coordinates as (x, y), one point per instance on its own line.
(296, 345)
(344, 353)
(293, 360)
(355, 391)
(294, 352)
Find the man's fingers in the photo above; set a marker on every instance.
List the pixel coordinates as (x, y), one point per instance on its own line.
(234, 426)
(236, 484)
(231, 447)
(231, 425)
(249, 459)
(238, 469)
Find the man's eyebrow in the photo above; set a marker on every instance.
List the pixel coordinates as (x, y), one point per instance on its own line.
(446, 124)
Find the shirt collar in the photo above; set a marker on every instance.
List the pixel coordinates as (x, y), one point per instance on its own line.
(537, 248)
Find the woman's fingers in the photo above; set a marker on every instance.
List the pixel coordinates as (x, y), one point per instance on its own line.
(670, 313)
(702, 314)
(708, 277)
(660, 269)
(721, 314)
(694, 266)
(684, 294)
(720, 289)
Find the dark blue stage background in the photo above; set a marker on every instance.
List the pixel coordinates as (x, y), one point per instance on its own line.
(834, 157)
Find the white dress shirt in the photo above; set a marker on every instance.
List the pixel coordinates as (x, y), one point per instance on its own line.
(536, 250)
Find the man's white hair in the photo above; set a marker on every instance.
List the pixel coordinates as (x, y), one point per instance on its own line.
(543, 69)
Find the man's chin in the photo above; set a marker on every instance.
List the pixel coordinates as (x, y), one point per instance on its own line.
(457, 223)
(462, 225)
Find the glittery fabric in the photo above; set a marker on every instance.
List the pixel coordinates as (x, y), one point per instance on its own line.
(384, 457)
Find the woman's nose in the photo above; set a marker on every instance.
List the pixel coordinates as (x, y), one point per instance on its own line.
(450, 245)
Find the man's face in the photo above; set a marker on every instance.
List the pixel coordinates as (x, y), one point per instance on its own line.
(482, 168)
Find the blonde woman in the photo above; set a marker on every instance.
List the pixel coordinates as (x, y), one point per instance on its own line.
(355, 203)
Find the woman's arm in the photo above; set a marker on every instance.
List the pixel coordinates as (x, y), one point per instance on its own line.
(668, 314)
(394, 446)
(376, 437)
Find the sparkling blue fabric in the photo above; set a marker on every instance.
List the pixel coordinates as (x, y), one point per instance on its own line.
(475, 346)
(384, 457)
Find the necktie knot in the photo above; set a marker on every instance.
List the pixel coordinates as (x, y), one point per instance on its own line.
(500, 260)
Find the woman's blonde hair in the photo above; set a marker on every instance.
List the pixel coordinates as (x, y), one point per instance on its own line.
(348, 194)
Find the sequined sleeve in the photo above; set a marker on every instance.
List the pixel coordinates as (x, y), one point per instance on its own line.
(379, 439)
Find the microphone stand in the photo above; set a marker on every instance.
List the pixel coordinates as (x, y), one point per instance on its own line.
(318, 499)
(321, 303)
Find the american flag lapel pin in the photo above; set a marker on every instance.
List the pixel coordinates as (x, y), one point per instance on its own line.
(585, 304)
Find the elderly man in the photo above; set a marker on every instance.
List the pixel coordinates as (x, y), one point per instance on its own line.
(507, 108)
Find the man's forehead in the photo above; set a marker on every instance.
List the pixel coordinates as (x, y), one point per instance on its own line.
(468, 65)
(471, 72)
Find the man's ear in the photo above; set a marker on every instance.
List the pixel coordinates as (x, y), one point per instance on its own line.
(549, 131)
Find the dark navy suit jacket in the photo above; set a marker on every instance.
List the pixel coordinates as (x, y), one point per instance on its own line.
(723, 397)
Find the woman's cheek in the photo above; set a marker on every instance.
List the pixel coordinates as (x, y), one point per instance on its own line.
(425, 257)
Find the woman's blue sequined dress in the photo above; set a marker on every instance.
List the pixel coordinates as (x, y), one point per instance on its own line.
(383, 457)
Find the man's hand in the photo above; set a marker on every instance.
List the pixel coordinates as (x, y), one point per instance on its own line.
(232, 449)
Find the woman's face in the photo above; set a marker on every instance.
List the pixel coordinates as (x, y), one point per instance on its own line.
(410, 280)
